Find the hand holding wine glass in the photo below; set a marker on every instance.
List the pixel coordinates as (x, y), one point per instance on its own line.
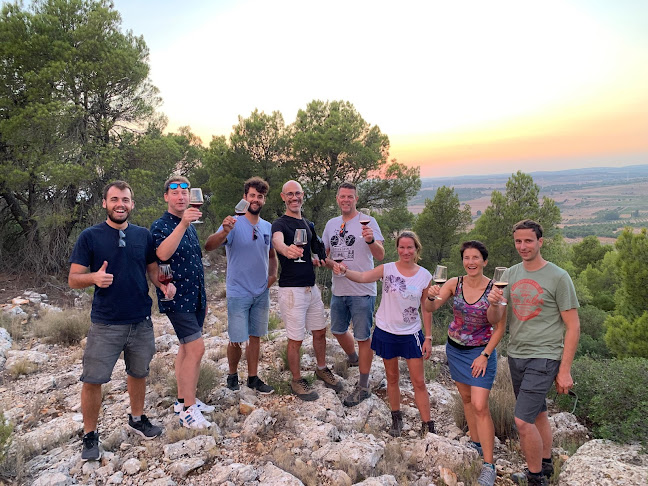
(500, 280)
(165, 277)
(196, 200)
(300, 241)
(241, 208)
(440, 277)
(337, 255)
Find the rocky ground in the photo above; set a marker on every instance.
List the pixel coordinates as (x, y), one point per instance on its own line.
(257, 440)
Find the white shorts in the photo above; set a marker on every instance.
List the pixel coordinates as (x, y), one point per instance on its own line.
(301, 308)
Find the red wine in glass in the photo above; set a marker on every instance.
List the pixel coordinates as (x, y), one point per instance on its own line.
(196, 200)
(241, 208)
(165, 277)
(365, 219)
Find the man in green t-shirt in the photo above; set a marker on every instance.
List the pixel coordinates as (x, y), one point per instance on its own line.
(544, 328)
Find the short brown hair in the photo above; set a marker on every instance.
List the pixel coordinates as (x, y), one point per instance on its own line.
(121, 185)
(415, 239)
(256, 183)
(528, 224)
(347, 185)
(175, 178)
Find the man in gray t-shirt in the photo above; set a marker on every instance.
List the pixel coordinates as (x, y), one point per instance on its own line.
(544, 327)
(355, 239)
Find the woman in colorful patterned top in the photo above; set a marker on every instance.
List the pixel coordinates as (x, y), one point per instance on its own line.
(471, 347)
(398, 324)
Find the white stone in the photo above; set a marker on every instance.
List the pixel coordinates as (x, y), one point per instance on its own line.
(272, 476)
(53, 479)
(197, 446)
(132, 466)
(385, 480)
(116, 478)
(605, 463)
(51, 433)
(182, 467)
(363, 451)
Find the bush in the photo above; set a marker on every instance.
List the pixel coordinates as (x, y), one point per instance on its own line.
(612, 397)
(66, 328)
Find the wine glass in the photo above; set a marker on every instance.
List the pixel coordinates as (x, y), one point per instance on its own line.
(365, 218)
(241, 208)
(440, 277)
(300, 240)
(196, 200)
(165, 277)
(500, 280)
(337, 255)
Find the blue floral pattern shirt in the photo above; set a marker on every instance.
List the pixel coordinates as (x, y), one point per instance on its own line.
(186, 265)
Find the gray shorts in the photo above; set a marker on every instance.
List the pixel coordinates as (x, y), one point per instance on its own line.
(532, 379)
(107, 341)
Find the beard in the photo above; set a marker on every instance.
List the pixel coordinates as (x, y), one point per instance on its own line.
(254, 211)
(118, 218)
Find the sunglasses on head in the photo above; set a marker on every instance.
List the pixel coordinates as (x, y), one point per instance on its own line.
(181, 185)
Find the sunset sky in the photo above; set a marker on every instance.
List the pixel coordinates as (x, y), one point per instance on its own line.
(460, 87)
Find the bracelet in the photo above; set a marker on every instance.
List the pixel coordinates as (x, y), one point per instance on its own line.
(373, 240)
(484, 353)
(431, 300)
(428, 337)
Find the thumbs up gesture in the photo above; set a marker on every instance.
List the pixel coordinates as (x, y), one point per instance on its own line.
(101, 278)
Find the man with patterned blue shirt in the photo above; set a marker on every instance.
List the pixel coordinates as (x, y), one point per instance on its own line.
(176, 242)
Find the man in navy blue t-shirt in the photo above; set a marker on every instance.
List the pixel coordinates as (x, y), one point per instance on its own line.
(115, 257)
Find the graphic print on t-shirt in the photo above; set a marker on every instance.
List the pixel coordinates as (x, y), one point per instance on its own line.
(526, 295)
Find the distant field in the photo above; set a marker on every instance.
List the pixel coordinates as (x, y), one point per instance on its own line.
(592, 202)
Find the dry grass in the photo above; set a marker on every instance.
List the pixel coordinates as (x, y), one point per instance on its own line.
(394, 462)
(341, 367)
(275, 379)
(16, 326)
(284, 459)
(64, 328)
(208, 379)
(275, 322)
(501, 404)
(22, 367)
(218, 353)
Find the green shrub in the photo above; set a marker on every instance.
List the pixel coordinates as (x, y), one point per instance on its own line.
(6, 429)
(274, 322)
(612, 397)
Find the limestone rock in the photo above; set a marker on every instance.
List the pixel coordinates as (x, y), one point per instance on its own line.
(34, 357)
(256, 423)
(385, 480)
(197, 446)
(131, 466)
(53, 479)
(566, 429)
(184, 466)
(605, 463)
(236, 473)
(272, 476)
(363, 451)
(434, 451)
(51, 433)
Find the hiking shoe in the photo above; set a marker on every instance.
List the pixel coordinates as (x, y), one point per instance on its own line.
(329, 379)
(193, 419)
(358, 395)
(144, 427)
(427, 427)
(232, 382)
(477, 447)
(90, 451)
(529, 479)
(203, 407)
(487, 476)
(303, 390)
(547, 469)
(396, 428)
(257, 384)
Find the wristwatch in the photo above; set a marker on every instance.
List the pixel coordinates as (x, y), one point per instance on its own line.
(484, 353)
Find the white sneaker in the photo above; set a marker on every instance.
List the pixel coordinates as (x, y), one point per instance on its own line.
(193, 419)
(203, 407)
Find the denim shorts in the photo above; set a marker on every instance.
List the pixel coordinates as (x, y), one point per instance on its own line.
(532, 379)
(188, 326)
(248, 316)
(301, 309)
(358, 309)
(107, 341)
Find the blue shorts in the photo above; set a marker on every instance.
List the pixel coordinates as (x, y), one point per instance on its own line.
(188, 326)
(460, 360)
(388, 345)
(358, 309)
(532, 379)
(107, 341)
(247, 316)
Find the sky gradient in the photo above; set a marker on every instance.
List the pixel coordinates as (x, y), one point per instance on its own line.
(464, 87)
